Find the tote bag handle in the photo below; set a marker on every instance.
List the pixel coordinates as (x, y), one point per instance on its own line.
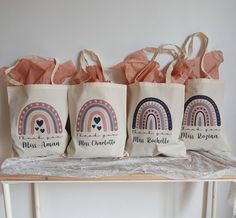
(83, 62)
(17, 83)
(176, 52)
(188, 48)
(143, 72)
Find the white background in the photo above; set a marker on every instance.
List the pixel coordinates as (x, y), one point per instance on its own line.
(61, 28)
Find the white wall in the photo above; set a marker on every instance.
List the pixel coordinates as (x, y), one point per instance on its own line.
(113, 29)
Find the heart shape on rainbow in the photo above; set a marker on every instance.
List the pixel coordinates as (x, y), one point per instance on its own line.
(94, 112)
(97, 119)
(39, 122)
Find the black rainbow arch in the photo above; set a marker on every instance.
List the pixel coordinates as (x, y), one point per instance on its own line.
(152, 114)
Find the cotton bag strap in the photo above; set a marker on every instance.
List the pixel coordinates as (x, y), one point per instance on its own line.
(32, 57)
(188, 49)
(163, 49)
(83, 62)
(143, 72)
(176, 52)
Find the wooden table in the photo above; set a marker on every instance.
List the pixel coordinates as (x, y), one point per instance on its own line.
(138, 177)
(6, 180)
(18, 177)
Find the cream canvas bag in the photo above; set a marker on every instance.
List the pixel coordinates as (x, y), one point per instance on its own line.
(38, 116)
(155, 112)
(203, 117)
(202, 122)
(97, 113)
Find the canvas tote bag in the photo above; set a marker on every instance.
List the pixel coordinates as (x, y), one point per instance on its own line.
(155, 112)
(203, 117)
(97, 113)
(38, 116)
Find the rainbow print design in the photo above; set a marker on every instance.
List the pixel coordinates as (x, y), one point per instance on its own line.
(39, 117)
(201, 110)
(96, 115)
(152, 114)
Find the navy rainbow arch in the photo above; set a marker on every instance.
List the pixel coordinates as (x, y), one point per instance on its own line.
(152, 114)
(201, 110)
(96, 114)
(39, 113)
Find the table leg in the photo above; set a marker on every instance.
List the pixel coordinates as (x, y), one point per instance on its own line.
(36, 203)
(205, 199)
(7, 200)
(213, 199)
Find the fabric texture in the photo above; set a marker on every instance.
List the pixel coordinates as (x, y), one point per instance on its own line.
(38, 70)
(138, 63)
(186, 69)
(38, 107)
(197, 165)
(155, 113)
(203, 126)
(89, 72)
(98, 120)
(203, 111)
(38, 120)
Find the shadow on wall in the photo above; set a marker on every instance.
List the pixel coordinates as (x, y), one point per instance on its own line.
(5, 138)
(186, 193)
